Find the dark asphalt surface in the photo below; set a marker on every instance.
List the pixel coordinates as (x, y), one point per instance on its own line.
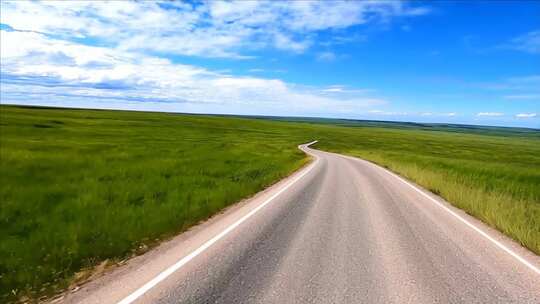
(350, 233)
(346, 232)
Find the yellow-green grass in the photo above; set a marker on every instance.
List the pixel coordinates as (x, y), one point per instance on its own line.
(494, 178)
(78, 187)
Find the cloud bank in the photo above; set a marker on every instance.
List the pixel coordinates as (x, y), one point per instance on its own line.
(209, 29)
(118, 54)
(36, 67)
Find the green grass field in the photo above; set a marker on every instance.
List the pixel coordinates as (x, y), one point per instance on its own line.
(78, 187)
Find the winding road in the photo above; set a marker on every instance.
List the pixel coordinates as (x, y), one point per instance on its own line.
(341, 230)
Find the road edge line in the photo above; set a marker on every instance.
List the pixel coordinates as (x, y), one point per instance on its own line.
(459, 217)
(184, 260)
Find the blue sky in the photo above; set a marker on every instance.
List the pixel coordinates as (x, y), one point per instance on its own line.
(458, 62)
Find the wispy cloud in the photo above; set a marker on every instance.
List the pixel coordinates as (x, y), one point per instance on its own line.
(522, 85)
(210, 29)
(490, 114)
(344, 39)
(413, 114)
(326, 56)
(432, 114)
(259, 70)
(388, 113)
(526, 115)
(120, 51)
(256, 70)
(37, 67)
(523, 97)
(337, 88)
(334, 89)
(528, 42)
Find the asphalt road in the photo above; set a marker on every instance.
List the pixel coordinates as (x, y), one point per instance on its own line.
(340, 231)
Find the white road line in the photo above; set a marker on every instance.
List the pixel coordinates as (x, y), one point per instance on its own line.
(463, 220)
(167, 272)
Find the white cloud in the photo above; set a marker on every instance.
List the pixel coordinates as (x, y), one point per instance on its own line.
(286, 42)
(344, 90)
(528, 42)
(38, 67)
(343, 39)
(326, 56)
(529, 84)
(256, 70)
(523, 97)
(525, 79)
(437, 114)
(267, 71)
(211, 29)
(87, 52)
(333, 89)
(492, 114)
(526, 115)
(388, 113)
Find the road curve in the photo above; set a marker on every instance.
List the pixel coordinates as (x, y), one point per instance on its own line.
(342, 230)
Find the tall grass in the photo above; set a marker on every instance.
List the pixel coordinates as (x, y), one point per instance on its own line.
(78, 187)
(496, 179)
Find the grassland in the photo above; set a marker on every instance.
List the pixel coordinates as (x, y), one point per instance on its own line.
(78, 187)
